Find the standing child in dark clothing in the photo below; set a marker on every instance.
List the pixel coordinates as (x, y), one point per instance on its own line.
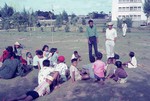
(120, 74)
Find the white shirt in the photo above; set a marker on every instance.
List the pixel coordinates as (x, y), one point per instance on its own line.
(111, 34)
(43, 73)
(133, 63)
(40, 61)
(73, 57)
(61, 68)
(124, 26)
(77, 73)
(35, 60)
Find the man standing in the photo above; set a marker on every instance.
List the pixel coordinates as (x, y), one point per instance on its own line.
(92, 37)
(111, 35)
(124, 28)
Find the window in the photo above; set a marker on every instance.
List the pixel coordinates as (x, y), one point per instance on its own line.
(139, 8)
(131, 8)
(123, 9)
(139, 17)
(127, 9)
(131, 0)
(119, 9)
(135, 8)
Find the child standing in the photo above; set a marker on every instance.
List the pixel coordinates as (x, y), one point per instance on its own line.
(120, 74)
(99, 68)
(62, 68)
(75, 73)
(45, 50)
(133, 62)
(29, 58)
(54, 56)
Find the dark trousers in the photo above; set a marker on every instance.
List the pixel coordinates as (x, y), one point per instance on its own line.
(93, 42)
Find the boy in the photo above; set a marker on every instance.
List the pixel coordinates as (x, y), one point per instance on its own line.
(62, 68)
(75, 55)
(45, 79)
(89, 67)
(75, 73)
(120, 74)
(35, 60)
(133, 62)
(41, 59)
(99, 68)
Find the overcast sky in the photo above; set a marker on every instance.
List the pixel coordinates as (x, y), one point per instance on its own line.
(79, 7)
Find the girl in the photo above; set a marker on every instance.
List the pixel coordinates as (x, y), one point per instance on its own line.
(45, 50)
(54, 56)
(29, 58)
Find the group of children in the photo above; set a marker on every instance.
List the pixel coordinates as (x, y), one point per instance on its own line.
(53, 70)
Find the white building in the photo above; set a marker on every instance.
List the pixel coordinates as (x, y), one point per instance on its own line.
(129, 8)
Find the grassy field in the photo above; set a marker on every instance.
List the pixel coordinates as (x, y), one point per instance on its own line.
(136, 89)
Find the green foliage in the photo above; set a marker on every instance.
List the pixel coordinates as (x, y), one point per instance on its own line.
(147, 8)
(83, 21)
(67, 28)
(65, 16)
(80, 29)
(59, 20)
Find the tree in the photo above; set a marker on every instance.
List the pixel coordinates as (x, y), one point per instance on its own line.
(65, 16)
(59, 20)
(147, 8)
(83, 21)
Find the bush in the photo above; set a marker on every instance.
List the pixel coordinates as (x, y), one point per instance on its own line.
(80, 29)
(67, 28)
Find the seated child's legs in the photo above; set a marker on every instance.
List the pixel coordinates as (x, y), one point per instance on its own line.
(31, 95)
(85, 77)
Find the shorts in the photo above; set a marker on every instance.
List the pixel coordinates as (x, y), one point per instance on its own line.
(99, 78)
(33, 94)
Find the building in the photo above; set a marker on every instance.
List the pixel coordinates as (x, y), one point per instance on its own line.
(129, 8)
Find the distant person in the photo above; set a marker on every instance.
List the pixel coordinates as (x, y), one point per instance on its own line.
(92, 37)
(75, 73)
(62, 68)
(111, 37)
(45, 50)
(124, 28)
(120, 74)
(89, 67)
(76, 55)
(99, 69)
(133, 62)
(29, 58)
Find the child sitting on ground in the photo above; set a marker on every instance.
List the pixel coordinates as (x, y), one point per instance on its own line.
(62, 68)
(41, 59)
(75, 73)
(29, 58)
(75, 55)
(89, 67)
(45, 50)
(99, 68)
(35, 60)
(133, 62)
(120, 74)
(42, 89)
(54, 56)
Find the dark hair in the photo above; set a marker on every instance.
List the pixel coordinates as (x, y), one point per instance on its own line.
(40, 52)
(28, 54)
(36, 52)
(9, 49)
(46, 63)
(116, 56)
(92, 59)
(118, 64)
(53, 50)
(75, 52)
(90, 21)
(45, 46)
(73, 60)
(99, 55)
(131, 54)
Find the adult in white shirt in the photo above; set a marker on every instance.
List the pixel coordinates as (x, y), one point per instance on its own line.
(111, 36)
(124, 28)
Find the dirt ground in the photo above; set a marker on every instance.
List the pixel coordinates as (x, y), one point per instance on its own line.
(137, 87)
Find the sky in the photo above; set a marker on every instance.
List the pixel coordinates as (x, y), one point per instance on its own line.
(79, 7)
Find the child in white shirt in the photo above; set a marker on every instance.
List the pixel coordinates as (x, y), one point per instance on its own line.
(45, 50)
